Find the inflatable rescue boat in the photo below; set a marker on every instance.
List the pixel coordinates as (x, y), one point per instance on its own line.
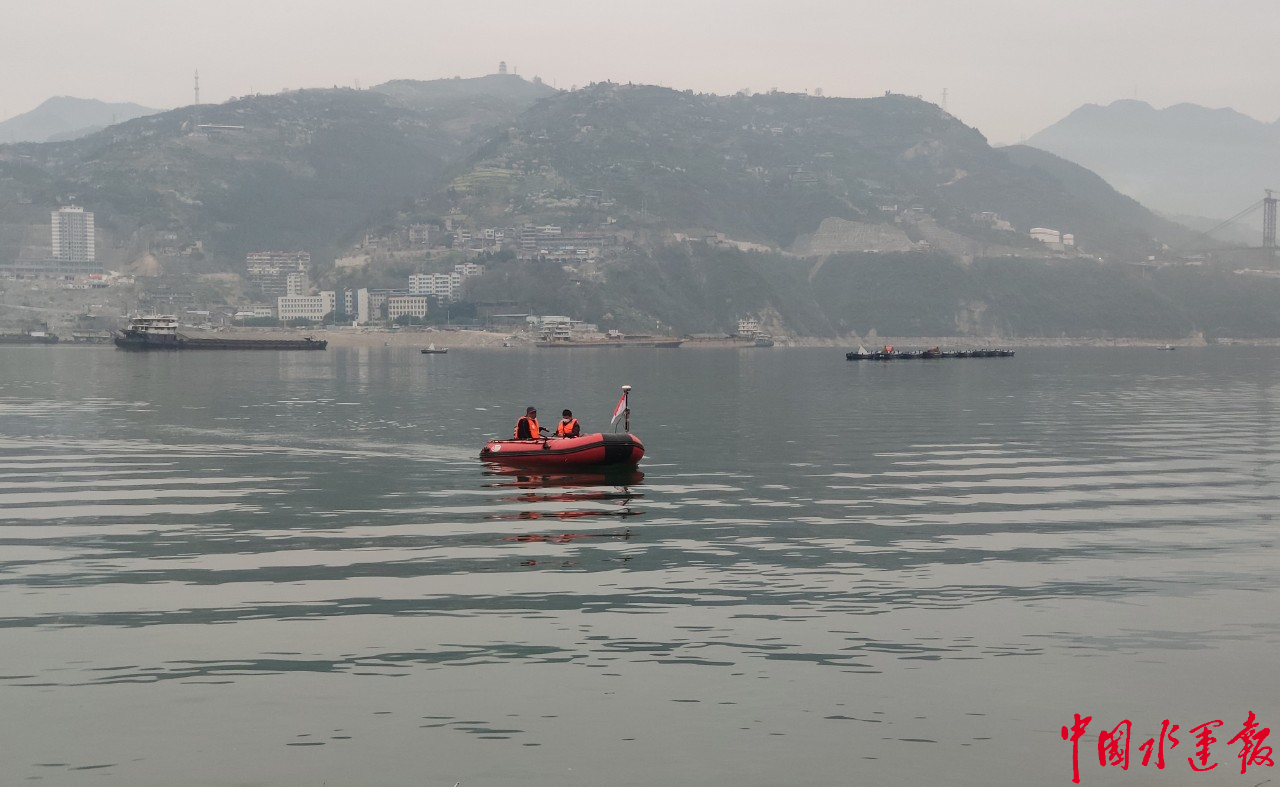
(588, 450)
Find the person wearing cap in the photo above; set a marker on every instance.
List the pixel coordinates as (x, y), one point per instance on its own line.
(527, 427)
(568, 426)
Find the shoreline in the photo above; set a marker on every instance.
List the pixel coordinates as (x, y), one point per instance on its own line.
(495, 340)
(500, 340)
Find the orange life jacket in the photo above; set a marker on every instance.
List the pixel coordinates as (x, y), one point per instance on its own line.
(532, 425)
(567, 428)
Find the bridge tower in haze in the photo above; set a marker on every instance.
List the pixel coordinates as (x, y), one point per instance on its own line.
(1269, 224)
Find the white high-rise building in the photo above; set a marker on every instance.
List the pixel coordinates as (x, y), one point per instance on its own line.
(72, 234)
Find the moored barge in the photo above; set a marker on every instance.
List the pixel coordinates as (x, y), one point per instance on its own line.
(624, 341)
(889, 353)
(161, 333)
(29, 337)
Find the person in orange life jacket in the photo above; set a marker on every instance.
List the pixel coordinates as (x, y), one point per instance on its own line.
(568, 426)
(527, 427)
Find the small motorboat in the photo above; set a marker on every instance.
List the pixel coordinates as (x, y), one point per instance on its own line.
(598, 450)
(588, 450)
(431, 349)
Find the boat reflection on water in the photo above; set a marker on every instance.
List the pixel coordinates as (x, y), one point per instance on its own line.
(578, 496)
(537, 478)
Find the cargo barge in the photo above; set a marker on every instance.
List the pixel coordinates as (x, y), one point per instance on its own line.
(613, 340)
(613, 343)
(29, 337)
(890, 354)
(161, 333)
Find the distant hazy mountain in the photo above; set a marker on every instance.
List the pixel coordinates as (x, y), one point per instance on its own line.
(1186, 159)
(63, 117)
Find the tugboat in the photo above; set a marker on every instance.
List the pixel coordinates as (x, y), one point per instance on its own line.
(588, 450)
(431, 349)
(161, 333)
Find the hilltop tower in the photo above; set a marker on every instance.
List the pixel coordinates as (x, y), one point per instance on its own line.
(502, 67)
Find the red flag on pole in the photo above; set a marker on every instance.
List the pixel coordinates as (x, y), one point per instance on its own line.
(617, 411)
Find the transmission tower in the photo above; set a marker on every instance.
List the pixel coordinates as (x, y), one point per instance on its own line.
(197, 87)
(1269, 224)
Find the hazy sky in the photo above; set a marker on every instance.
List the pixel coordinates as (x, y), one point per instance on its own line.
(1010, 67)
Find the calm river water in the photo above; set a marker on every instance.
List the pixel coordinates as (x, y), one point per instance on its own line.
(290, 569)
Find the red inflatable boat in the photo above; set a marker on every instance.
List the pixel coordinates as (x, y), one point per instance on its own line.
(589, 450)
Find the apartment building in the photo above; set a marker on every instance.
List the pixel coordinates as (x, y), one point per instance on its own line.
(308, 307)
(411, 305)
(72, 228)
(444, 286)
(270, 270)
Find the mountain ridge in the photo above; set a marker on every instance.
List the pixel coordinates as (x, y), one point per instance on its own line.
(301, 169)
(769, 168)
(623, 204)
(62, 118)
